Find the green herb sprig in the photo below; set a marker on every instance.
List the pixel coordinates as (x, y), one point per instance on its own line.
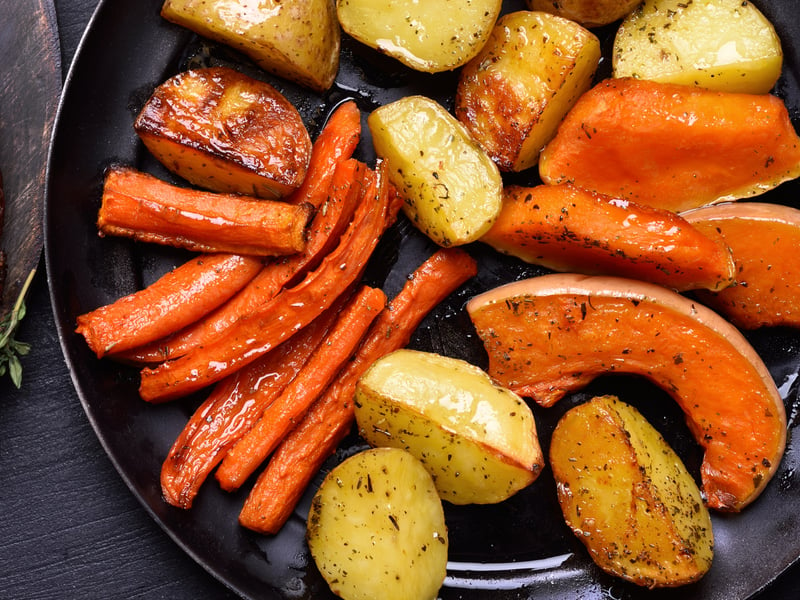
(10, 348)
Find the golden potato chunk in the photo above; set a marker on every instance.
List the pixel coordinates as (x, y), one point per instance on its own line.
(589, 13)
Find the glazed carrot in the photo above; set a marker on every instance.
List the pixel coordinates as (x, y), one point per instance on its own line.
(289, 311)
(232, 408)
(176, 299)
(344, 192)
(302, 452)
(565, 228)
(279, 417)
(140, 206)
(672, 146)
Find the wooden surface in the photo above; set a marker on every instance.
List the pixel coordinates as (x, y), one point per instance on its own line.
(70, 528)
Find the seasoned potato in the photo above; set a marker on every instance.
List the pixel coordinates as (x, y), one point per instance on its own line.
(452, 189)
(430, 36)
(628, 497)
(376, 528)
(294, 39)
(513, 95)
(476, 439)
(725, 45)
(227, 132)
(589, 13)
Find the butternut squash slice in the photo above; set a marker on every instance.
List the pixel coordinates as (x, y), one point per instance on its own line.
(764, 239)
(565, 228)
(551, 335)
(673, 146)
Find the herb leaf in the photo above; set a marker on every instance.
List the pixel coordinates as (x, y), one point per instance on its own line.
(10, 349)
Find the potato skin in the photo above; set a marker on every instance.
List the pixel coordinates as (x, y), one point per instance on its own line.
(227, 132)
(628, 497)
(589, 13)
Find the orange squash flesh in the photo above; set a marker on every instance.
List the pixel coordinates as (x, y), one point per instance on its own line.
(764, 239)
(553, 334)
(672, 146)
(565, 228)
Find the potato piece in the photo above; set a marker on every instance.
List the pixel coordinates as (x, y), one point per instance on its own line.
(376, 528)
(724, 45)
(452, 189)
(294, 39)
(430, 36)
(476, 439)
(514, 93)
(227, 132)
(589, 13)
(628, 497)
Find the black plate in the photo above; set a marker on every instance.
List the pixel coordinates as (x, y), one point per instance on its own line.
(518, 549)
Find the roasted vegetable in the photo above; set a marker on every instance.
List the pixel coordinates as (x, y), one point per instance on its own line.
(430, 36)
(476, 439)
(294, 39)
(725, 45)
(514, 93)
(589, 13)
(628, 497)
(672, 146)
(553, 334)
(376, 528)
(451, 188)
(565, 228)
(764, 239)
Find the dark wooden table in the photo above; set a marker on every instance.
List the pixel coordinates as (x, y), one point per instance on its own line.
(69, 526)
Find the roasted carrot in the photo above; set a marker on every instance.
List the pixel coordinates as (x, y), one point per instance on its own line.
(147, 209)
(289, 311)
(176, 299)
(279, 417)
(345, 191)
(232, 408)
(302, 452)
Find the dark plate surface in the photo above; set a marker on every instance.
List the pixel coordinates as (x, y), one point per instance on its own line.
(518, 549)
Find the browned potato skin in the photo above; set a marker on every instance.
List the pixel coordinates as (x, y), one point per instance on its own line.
(628, 498)
(227, 132)
(589, 13)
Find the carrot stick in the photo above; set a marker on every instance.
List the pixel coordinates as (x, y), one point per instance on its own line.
(279, 417)
(140, 206)
(231, 409)
(176, 299)
(301, 453)
(289, 311)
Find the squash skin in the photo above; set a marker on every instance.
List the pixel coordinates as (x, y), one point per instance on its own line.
(673, 146)
(764, 239)
(551, 335)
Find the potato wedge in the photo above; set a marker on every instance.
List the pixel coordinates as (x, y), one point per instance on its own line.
(298, 40)
(724, 45)
(764, 239)
(227, 132)
(553, 334)
(589, 13)
(628, 497)
(430, 36)
(514, 93)
(452, 190)
(476, 439)
(376, 528)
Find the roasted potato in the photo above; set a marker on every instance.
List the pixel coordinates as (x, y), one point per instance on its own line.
(476, 439)
(294, 39)
(430, 36)
(376, 528)
(589, 13)
(628, 497)
(452, 190)
(724, 45)
(514, 93)
(227, 132)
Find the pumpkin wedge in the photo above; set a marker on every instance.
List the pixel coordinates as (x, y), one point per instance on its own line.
(764, 239)
(673, 146)
(551, 335)
(565, 228)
